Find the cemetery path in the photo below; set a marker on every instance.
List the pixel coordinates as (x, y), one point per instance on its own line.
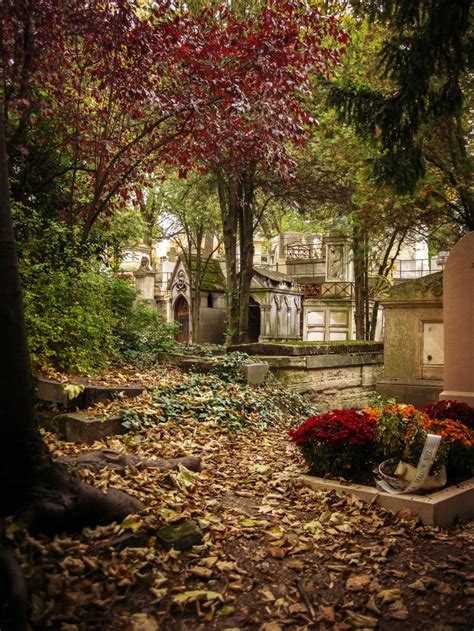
(275, 555)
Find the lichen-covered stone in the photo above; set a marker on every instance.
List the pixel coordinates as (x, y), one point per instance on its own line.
(255, 373)
(181, 536)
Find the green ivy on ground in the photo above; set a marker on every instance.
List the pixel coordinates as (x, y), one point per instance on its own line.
(207, 397)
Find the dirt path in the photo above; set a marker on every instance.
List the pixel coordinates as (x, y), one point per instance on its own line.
(275, 554)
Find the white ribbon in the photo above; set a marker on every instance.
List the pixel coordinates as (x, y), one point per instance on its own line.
(425, 463)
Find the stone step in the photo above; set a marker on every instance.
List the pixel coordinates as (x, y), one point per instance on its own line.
(53, 391)
(83, 427)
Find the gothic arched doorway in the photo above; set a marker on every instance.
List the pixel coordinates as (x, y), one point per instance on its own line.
(254, 321)
(181, 316)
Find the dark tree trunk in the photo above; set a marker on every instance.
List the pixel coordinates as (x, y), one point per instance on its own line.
(359, 284)
(246, 217)
(236, 198)
(195, 290)
(45, 496)
(228, 201)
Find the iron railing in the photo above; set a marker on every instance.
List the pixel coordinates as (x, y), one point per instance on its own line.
(303, 251)
(329, 290)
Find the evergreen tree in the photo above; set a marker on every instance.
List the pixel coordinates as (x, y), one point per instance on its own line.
(424, 66)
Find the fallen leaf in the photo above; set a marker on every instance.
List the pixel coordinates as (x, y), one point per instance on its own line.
(357, 583)
(143, 622)
(360, 621)
(131, 523)
(389, 595)
(197, 595)
(327, 613)
(398, 611)
(278, 553)
(202, 572)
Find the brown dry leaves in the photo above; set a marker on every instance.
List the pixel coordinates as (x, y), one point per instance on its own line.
(275, 555)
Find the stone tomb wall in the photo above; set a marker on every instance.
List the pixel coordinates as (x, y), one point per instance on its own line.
(337, 380)
(413, 341)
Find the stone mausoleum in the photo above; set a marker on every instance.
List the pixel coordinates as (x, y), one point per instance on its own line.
(274, 309)
(212, 323)
(413, 341)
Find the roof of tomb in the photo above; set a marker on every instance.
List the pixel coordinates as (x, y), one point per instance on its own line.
(417, 290)
(213, 278)
(277, 277)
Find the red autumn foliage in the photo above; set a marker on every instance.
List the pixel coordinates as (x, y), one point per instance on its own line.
(249, 80)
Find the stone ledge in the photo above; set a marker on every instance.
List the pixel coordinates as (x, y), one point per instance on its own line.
(315, 362)
(81, 427)
(254, 373)
(323, 348)
(443, 508)
(52, 391)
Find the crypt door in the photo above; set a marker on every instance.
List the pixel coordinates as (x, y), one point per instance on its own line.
(255, 318)
(181, 316)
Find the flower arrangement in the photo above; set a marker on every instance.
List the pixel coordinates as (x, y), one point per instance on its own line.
(336, 443)
(458, 442)
(454, 410)
(348, 443)
(400, 431)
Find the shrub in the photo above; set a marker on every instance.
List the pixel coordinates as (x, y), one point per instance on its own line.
(229, 367)
(340, 442)
(454, 410)
(78, 320)
(141, 331)
(208, 398)
(69, 318)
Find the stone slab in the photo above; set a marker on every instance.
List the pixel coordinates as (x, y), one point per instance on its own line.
(443, 508)
(52, 391)
(322, 348)
(418, 392)
(81, 427)
(352, 359)
(255, 373)
(99, 394)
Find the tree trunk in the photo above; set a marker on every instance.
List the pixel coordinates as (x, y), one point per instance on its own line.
(246, 216)
(359, 282)
(45, 496)
(228, 201)
(236, 199)
(384, 269)
(195, 289)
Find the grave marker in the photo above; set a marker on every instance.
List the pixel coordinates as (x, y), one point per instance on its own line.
(458, 310)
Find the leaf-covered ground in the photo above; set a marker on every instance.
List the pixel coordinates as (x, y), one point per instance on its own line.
(275, 554)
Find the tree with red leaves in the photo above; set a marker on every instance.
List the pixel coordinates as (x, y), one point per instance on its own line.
(95, 77)
(249, 78)
(100, 74)
(118, 86)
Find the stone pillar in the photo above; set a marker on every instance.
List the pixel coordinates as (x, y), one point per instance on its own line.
(458, 315)
(264, 320)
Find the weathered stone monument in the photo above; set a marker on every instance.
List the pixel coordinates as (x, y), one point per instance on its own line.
(413, 341)
(458, 313)
(145, 280)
